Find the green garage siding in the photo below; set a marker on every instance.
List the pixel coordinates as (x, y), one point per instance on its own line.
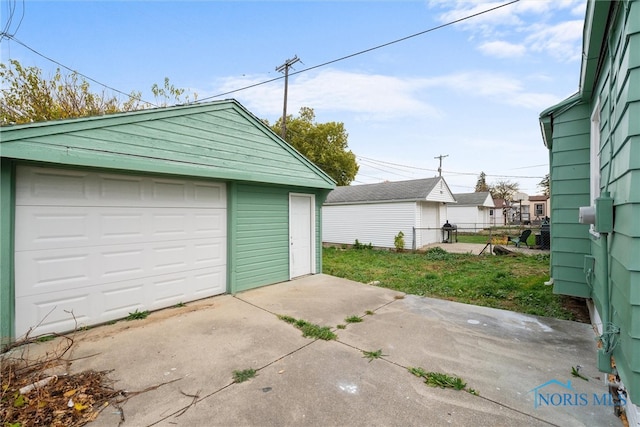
(218, 141)
(261, 236)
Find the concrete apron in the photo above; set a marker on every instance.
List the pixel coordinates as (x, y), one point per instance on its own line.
(503, 355)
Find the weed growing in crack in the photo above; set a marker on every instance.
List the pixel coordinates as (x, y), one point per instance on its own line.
(244, 375)
(373, 354)
(438, 379)
(353, 319)
(310, 330)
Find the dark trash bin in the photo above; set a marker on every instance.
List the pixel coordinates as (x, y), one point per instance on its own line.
(449, 232)
(545, 235)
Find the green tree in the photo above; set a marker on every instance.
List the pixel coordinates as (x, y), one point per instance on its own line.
(545, 185)
(481, 184)
(25, 96)
(503, 189)
(169, 93)
(325, 144)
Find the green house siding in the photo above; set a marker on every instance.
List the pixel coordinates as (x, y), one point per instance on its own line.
(610, 78)
(569, 191)
(619, 84)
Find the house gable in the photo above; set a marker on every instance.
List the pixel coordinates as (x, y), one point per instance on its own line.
(479, 199)
(427, 189)
(219, 140)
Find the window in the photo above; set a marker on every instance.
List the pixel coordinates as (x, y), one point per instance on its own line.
(491, 212)
(595, 154)
(539, 209)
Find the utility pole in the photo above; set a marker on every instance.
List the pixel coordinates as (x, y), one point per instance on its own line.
(440, 167)
(285, 67)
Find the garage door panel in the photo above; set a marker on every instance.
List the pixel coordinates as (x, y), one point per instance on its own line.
(103, 245)
(76, 268)
(53, 314)
(45, 186)
(55, 227)
(103, 303)
(51, 185)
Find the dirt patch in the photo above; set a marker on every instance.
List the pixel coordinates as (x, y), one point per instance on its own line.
(577, 306)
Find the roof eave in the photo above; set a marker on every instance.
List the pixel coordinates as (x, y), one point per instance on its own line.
(596, 22)
(595, 27)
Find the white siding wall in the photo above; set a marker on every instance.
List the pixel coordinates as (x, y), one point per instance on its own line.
(430, 225)
(377, 224)
(440, 193)
(468, 218)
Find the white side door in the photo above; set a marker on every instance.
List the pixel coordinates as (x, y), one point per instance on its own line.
(301, 234)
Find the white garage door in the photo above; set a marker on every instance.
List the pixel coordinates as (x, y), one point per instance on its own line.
(92, 247)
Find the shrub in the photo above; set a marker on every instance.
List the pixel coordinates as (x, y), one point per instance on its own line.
(398, 241)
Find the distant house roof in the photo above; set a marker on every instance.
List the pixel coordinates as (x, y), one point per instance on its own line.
(414, 190)
(538, 198)
(482, 198)
(500, 203)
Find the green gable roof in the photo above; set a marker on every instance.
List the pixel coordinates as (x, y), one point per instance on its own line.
(219, 140)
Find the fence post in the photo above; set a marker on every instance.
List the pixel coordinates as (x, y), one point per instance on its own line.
(413, 244)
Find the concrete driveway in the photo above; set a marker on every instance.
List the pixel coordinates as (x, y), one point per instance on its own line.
(510, 359)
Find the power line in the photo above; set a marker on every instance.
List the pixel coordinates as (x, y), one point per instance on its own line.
(137, 98)
(333, 61)
(12, 37)
(11, 10)
(385, 163)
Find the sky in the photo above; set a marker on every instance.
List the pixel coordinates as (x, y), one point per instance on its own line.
(471, 91)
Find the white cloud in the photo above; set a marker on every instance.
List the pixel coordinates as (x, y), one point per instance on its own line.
(502, 49)
(559, 39)
(368, 95)
(562, 41)
(374, 97)
(496, 88)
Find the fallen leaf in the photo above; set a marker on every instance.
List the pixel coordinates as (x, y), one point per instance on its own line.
(79, 406)
(70, 393)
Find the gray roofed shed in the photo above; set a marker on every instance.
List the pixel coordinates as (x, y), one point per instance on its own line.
(413, 190)
(474, 199)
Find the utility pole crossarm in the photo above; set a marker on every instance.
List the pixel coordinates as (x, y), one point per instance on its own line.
(440, 166)
(285, 67)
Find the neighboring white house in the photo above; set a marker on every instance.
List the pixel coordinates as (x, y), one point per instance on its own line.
(501, 213)
(473, 212)
(376, 213)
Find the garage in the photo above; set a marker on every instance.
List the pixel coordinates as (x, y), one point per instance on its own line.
(102, 245)
(102, 216)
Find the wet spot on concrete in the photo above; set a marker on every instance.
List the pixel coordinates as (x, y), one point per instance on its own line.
(348, 388)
